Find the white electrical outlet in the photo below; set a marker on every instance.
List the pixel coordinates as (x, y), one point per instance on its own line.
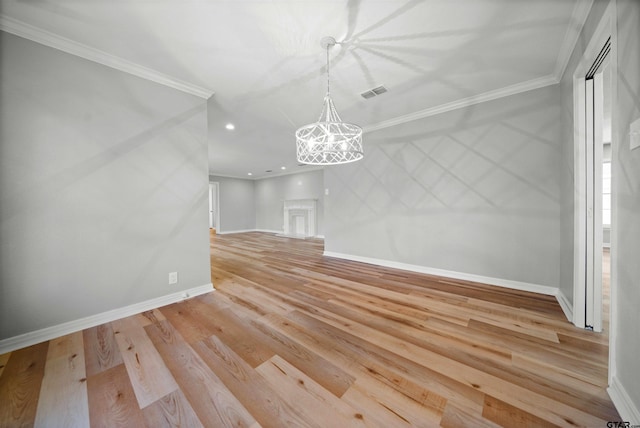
(173, 277)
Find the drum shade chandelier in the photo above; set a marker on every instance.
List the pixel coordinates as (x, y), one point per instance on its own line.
(329, 141)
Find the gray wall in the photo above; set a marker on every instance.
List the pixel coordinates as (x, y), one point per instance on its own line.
(103, 188)
(473, 191)
(237, 204)
(271, 192)
(626, 209)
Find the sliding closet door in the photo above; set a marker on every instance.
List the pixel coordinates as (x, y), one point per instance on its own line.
(594, 115)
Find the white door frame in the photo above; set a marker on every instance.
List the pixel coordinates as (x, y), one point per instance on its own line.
(214, 196)
(606, 28)
(594, 103)
(587, 212)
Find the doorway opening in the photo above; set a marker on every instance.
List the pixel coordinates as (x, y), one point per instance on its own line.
(214, 207)
(593, 112)
(605, 194)
(591, 91)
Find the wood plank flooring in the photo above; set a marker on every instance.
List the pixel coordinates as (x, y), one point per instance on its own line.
(292, 338)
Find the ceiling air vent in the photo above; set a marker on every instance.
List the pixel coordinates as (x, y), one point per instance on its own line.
(373, 92)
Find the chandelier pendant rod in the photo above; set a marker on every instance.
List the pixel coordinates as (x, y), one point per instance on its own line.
(328, 72)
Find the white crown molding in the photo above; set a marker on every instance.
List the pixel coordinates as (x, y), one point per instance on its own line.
(48, 333)
(506, 283)
(624, 404)
(38, 35)
(579, 16)
(269, 174)
(237, 177)
(466, 102)
(302, 170)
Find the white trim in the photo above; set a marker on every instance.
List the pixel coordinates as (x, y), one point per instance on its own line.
(38, 35)
(228, 232)
(267, 175)
(48, 333)
(302, 170)
(579, 201)
(578, 17)
(612, 14)
(275, 232)
(466, 102)
(507, 283)
(237, 177)
(604, 29)
(598, 203)
(628, 410)
(565, 304)
(217, 198)
(607, 26)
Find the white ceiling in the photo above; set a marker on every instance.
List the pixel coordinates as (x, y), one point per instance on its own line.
(264, 64)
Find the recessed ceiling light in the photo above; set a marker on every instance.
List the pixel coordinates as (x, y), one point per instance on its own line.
(249, 173)
(283, 167)
(230, 126)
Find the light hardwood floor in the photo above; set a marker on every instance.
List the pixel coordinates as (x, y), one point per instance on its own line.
(291, 338)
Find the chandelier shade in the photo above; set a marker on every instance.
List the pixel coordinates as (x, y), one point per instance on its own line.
(329, 141)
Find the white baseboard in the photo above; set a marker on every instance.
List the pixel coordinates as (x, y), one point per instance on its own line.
(227, 232)
(48, 333)
(507, 283)
(275, 232)
(628, 410)
(565, 304)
